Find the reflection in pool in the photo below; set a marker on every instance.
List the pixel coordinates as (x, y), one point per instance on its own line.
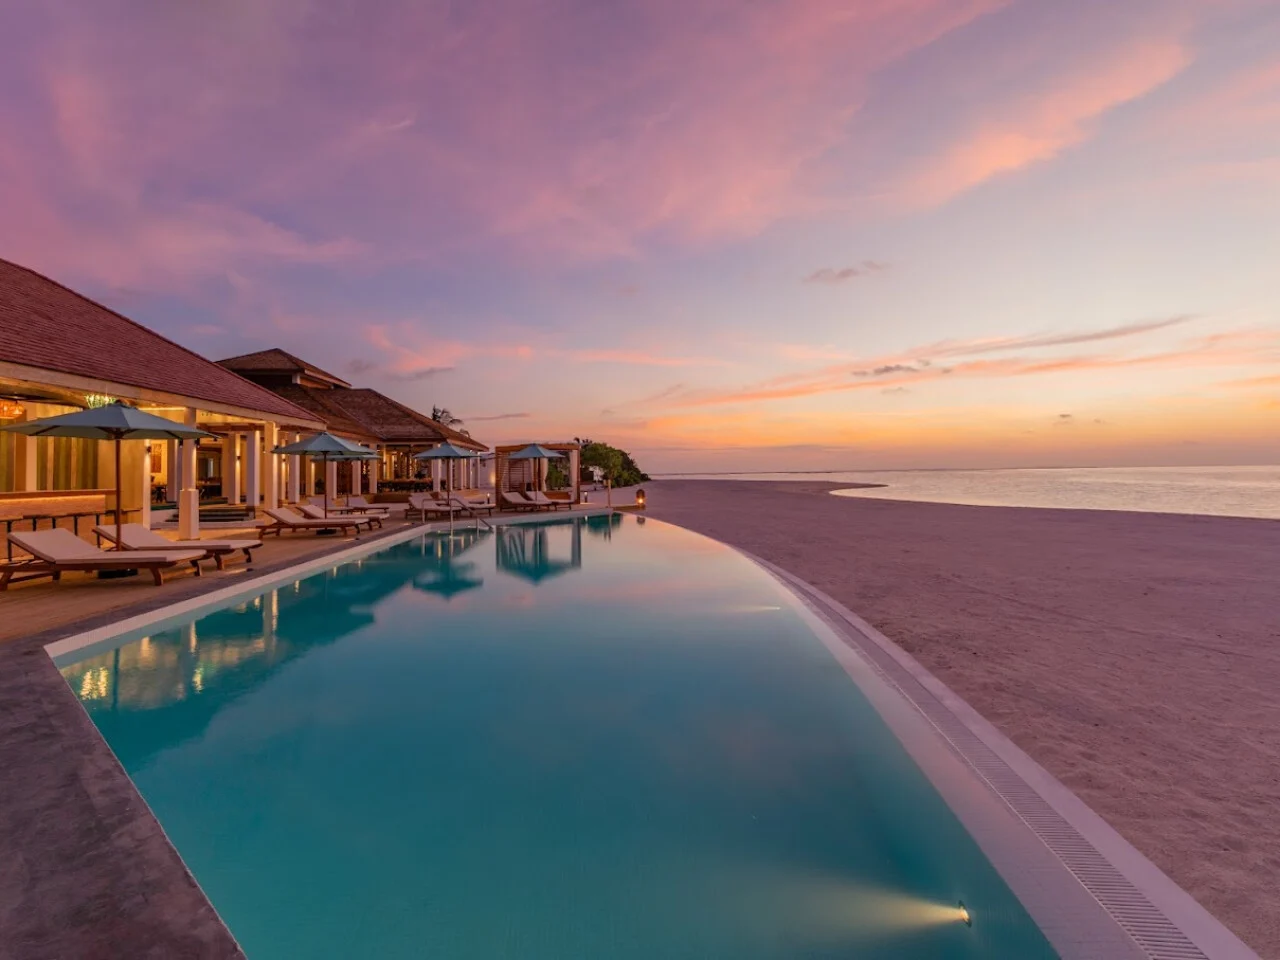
(584, 738)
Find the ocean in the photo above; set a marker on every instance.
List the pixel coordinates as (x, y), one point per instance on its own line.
(1216, 491)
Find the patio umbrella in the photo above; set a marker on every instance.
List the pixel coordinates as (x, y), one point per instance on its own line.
(446, 451)
(535, 451)
(326, 447)
(116, 422)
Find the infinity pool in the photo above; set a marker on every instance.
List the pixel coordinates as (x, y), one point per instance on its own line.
(596, 738)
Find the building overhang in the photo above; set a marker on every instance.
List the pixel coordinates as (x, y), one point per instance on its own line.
(36, 378)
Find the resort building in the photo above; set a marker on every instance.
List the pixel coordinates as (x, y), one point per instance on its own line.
(60, 352)
(368, 417)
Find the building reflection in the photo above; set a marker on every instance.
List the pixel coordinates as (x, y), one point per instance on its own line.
(166, 688)
(527, 550)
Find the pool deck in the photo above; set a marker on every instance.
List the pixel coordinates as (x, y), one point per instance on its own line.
(85, 869)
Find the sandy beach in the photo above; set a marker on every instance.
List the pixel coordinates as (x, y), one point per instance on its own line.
(1135, 656)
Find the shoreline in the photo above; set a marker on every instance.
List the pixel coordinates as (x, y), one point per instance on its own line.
(1239, 496)
(1134, 655)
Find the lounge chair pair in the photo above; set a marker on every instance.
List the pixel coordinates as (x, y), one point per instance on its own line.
(354, 504)
(286, 519)
(371, 518)
(55, 551)
(533, 500)
(134, 536)
(423, 504)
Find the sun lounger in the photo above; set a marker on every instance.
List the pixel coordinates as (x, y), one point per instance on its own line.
(470, 507)
(137, 537)
(423, 504)
(513, 500)
(315, 513)
(360, 505)
(286, 519)
(542, 500)
(54, 551)
(318, 503)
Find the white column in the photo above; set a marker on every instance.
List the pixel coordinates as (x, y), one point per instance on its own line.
(253, 468)
(271, 476)
(144, 514)
(295, 474)
(575, 473)
(171, 461)
(310, 467)
(231, 468)
(355, 478)
(374, 467)
(189, 494)
(330, 479)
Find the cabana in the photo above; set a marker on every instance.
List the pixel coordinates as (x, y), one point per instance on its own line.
(519, 474)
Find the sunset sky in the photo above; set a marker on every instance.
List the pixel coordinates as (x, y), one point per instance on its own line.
(724, 234)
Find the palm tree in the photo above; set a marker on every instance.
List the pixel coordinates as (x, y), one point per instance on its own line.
(445, 415)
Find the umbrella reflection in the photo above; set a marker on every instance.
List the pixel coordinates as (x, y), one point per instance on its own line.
(526, 551)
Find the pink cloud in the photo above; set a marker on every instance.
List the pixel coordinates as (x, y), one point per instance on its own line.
(412, 348)
(1038, 127)
(560, 129)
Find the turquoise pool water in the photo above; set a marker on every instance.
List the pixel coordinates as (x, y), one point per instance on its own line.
(597, 738)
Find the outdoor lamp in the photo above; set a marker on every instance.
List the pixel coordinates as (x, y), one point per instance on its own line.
(640, 497)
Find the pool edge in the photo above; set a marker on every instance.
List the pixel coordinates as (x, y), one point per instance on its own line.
(1202, 936)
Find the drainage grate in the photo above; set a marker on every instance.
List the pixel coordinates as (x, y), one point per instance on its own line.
(1154, 933)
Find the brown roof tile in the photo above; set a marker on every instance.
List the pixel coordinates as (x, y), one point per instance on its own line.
(276, 360)
(393, 422)
(44, 324)
(318, 401)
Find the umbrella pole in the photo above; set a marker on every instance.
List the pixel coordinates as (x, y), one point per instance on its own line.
(119, 494)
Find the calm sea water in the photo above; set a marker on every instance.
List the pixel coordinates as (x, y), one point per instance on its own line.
(1218, 491)
(584, 739)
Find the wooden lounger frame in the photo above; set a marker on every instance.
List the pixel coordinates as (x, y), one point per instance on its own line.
(333, 523)
(34, 568)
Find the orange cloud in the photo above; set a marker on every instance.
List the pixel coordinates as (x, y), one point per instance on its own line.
(1235, 348)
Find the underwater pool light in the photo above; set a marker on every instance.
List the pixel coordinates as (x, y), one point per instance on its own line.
(963, 913)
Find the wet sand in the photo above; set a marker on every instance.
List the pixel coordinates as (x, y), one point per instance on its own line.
(1135, 656)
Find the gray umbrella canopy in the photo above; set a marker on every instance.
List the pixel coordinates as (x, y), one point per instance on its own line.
(116, 422)
(325, 446)
(535, 451)
(446, 451)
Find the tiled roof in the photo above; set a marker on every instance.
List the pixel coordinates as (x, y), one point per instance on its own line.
(393, 422)
(276, 360)
(43, 324)
(317, 400)
(368, 414)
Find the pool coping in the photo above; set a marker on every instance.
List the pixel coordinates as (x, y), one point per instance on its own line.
(1091, 892)
(919, 709)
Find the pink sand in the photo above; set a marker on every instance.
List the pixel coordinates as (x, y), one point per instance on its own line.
(1135, 656)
